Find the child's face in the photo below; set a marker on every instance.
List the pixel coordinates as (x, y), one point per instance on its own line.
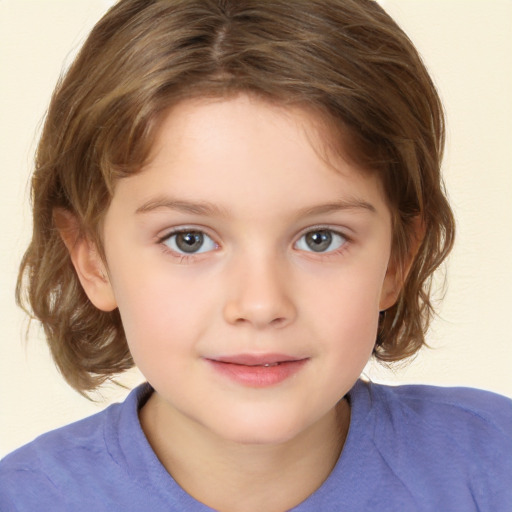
(278, 258)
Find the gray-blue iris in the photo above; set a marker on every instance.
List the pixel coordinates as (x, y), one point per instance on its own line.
(189, 241)
(319, 241)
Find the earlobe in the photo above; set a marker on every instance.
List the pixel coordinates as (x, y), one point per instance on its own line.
(390, 289)
(397, 272)
(87, 261)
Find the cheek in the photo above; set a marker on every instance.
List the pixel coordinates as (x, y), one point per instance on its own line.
(162, 308)
(351, 295)
(343, 322)
(348, 312)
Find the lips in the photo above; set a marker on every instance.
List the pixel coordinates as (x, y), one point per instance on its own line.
(257, 359)
(257, 370)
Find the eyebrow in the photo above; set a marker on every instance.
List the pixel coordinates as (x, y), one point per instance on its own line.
(353, 204)
(197, 208)
(206, 208)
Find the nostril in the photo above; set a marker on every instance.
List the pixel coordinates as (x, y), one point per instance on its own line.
(278, 321)
(259, 306)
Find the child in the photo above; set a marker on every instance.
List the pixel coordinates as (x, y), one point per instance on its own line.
(243, 199)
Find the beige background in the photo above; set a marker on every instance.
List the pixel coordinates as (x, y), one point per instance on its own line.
(465, 43)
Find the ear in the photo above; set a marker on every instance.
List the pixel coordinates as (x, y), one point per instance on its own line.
(397, 271)
(87, 261)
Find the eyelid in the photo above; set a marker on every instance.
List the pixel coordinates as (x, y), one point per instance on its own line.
(342, 231)
(167, 233)
(335, 230)
(162, 239)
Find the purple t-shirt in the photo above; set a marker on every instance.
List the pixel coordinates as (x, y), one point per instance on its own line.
(409, 448)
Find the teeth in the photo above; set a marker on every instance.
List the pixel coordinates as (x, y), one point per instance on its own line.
(266, 365)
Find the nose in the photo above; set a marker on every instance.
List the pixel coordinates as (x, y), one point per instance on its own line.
(260, 295)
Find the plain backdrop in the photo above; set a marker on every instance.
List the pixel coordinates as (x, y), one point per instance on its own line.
(466, 44)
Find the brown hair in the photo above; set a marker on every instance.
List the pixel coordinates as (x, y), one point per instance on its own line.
(346, 59)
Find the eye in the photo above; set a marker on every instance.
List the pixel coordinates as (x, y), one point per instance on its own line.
(189, 242)
(321, 240)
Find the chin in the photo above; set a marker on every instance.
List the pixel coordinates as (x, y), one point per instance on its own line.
(273, 431)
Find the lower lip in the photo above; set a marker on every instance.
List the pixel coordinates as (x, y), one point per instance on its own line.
(258, 376)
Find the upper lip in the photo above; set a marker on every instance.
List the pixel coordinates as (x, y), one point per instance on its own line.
(256, 359)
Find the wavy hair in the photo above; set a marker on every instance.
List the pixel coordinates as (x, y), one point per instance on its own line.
(345, 59)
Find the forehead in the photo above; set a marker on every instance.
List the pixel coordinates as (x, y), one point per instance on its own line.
(244, 148)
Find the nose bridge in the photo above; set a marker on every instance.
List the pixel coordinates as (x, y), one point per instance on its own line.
(259, 291)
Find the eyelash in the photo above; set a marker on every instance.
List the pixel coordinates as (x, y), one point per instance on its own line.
(182, 257)
(186, 258)
(332, 253)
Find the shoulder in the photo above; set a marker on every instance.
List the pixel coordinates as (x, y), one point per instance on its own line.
(456, 440)
(84, 435)
(481, 408)
(42, 466)
(463, 416)
(52, 470)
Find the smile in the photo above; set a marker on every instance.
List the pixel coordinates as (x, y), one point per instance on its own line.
(257, 370)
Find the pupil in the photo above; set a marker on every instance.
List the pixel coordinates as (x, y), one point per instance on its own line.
(319, 241)
(190, 241)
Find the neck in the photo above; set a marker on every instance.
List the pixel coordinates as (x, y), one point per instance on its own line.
(231, 476)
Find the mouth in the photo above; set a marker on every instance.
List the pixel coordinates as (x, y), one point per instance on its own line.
(257, 370)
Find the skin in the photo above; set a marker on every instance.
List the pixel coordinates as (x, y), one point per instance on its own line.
(252, 177)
